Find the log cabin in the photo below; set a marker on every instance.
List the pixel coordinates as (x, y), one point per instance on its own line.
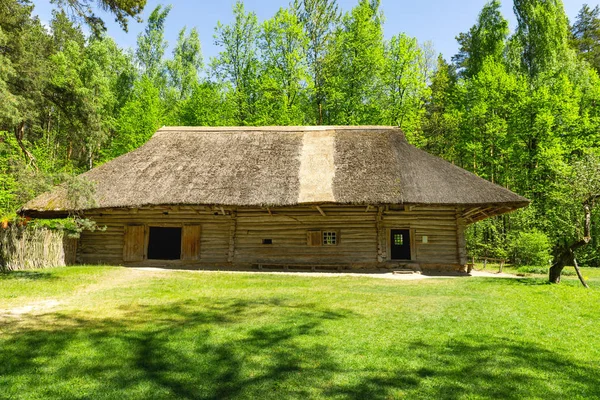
(321, 197)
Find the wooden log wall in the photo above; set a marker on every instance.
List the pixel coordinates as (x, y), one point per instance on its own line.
(106, 247)
(437, 223)
(287, 228)
(231, 236)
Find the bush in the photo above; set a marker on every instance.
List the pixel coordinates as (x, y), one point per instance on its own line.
(543, 270)
(531, 248)
(533, 270)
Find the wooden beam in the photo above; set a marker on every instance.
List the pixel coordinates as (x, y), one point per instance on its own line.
(222, 211)
(368, 207)
(232, 236)
(269, 210)
(470, 212)
(321, 211)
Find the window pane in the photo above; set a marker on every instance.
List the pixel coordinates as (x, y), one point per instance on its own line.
(398, 239)
(329, 238)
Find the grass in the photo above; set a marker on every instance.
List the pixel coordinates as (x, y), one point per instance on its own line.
(123, 333)
(537, 271)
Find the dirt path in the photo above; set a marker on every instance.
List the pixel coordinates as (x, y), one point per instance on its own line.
(380, 275)
(43, 305)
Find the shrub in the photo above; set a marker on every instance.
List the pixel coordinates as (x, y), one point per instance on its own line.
(531, 248)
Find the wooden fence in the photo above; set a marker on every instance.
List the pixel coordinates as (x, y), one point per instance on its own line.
(486, 260)
(23, 248)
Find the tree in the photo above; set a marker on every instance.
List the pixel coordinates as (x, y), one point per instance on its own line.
(404, 86)
(283, 45)
(584, 185)
(151, 48)
(184, 68)
(586, 35)
(542, 31)
(121, 9)
(207, 106)
(319, 19)
(486, 39)
(355, 65)
(440, 126)
(24, 73)
(138, 120)
(238, 63)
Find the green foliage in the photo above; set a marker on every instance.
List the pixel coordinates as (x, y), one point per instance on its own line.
(151, 48)
(238, 63)
(121, 9)
(529, 269)
(139, 118)
(404, 86)
(319, 19)
(484, 41)
(186, 64)
(586, 35)
(354, 67)
(543, 33)
(531, 248)
(72, 226)
(283, 44)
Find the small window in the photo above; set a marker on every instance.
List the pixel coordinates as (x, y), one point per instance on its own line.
(395, 207)
(267, 241)
(329, 238)
(398, 239)
(425, 239)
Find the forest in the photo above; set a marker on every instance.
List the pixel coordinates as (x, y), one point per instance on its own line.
(520, 109)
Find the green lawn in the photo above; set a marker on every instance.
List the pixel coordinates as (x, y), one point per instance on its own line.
(123, 333)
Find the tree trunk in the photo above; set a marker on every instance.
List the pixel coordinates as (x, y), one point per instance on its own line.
(555, 271)
(19, 134)
(581, 279)
(566, 255)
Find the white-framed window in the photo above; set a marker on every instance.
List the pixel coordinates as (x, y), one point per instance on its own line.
(329, 238)
(322, 238)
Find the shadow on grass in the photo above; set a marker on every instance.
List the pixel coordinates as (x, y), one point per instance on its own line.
(268, 348)
(192, 349)
(480, 368)
(27, 275)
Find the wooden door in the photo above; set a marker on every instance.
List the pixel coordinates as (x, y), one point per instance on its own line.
(190, 242)
(400, 244)
(133, 245)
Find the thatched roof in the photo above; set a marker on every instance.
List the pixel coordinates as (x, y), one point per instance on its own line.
(280, 166)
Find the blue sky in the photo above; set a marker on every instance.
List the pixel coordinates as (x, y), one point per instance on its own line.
(438, 21)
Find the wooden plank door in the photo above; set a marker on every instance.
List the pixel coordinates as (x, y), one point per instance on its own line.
(133, 246)
(190, 242)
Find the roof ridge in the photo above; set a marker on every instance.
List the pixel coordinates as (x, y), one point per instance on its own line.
(275, 128)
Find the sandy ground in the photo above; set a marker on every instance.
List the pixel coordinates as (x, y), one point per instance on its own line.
(381, 275)
(38, 306)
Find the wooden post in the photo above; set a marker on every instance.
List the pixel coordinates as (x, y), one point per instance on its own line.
(232, 232)
(461, 242)
(381, 251)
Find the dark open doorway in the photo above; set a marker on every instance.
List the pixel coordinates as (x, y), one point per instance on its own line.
(400, 244)
(164, 243)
